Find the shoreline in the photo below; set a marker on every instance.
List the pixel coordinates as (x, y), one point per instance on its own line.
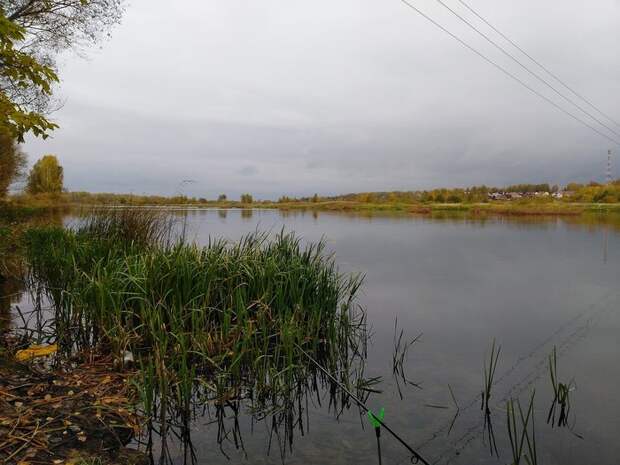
(20, 208)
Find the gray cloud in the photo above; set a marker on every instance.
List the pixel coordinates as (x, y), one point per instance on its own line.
(330, 97)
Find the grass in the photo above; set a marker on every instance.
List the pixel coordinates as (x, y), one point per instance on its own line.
(204, 324)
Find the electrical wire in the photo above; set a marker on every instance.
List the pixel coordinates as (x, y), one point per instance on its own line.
(543, 67)
(512, 57)
(506, 72)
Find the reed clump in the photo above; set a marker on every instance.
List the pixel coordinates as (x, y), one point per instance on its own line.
(198, 321)
(561, 394)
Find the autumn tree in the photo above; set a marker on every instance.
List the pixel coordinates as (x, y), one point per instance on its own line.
(32, 33)
(12, 162)
(247, 198)
(221, 198)
(46, 176)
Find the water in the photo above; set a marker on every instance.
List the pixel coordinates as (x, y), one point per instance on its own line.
(530, 284)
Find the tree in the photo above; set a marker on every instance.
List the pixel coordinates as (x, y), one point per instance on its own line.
(21, 74)
(221, 198)
(246, 198)
(32, 33)
(46, 176)
(12, 162)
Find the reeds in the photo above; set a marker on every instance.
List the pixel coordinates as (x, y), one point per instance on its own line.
(525, 434)
(205, 324)
(489, 375)
(399, 356)
(561, 395)
(137, 226)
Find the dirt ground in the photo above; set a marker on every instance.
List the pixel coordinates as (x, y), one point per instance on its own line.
(81, 413)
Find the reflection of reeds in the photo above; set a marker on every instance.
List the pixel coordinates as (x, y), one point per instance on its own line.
(489, 375)
(456, 413)
(525, 434)
(561, 394)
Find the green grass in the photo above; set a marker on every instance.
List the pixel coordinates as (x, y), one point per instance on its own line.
(200, 321)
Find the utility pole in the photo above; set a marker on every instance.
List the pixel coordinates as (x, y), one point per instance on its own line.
(608, 172)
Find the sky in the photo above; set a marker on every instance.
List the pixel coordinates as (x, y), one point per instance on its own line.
(296, 97)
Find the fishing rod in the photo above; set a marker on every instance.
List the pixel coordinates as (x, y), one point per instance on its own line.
(415, 455)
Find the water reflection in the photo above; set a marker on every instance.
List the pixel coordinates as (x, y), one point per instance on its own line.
(11, 292)
(231, 409)
(531, 282)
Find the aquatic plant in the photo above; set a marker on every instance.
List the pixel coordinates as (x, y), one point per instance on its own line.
(137, 226)
(561, 394)
(489, 375)
(525, 434)
(204, 324)
(399, 355)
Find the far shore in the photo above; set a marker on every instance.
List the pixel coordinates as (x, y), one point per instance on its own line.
(501, 208)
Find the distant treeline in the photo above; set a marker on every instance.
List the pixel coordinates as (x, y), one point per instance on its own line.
(132, 199)
(572, 192)
(592, 192)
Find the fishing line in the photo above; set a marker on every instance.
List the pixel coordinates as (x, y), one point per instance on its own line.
(418, 458)
(571, 337)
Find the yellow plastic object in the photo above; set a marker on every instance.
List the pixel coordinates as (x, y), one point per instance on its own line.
(35, 351)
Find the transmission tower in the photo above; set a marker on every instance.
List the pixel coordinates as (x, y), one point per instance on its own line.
(608, 171)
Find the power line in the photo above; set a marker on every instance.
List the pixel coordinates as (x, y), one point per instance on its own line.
(506, 72)
(554, 76)
(509, 55)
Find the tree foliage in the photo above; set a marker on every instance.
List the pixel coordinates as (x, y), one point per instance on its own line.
(247, 198)
(20, 73)
(46, 176)
(32, 33)
(12, 162)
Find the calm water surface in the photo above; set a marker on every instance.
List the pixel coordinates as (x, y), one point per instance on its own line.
(530, 284)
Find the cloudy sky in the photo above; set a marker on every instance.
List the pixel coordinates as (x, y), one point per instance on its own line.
(326, 96)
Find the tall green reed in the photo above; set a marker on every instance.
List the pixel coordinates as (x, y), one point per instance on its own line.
(205, 324)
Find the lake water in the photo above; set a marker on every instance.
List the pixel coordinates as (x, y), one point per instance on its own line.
(530, 284)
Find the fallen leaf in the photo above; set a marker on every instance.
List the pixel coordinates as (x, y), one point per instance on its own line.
(35, 351)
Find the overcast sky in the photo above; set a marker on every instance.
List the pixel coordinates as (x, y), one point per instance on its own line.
(297, 97)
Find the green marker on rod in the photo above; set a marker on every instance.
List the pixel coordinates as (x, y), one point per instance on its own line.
(375, 421)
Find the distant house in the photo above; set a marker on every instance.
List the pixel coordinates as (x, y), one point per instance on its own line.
(557, 195)
(514, 195)
(497, 196)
